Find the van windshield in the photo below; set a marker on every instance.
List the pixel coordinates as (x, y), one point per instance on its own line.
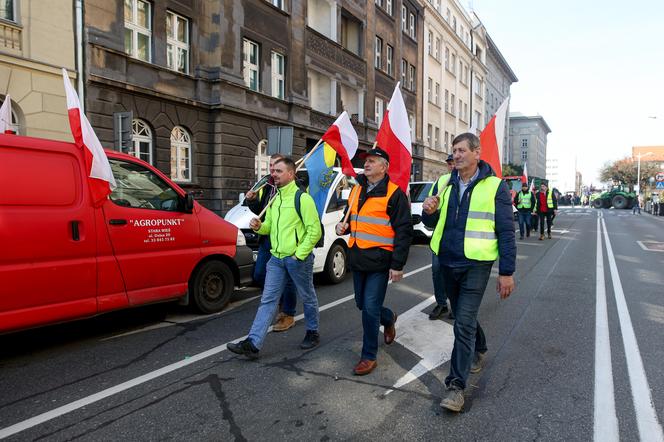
(419, 191)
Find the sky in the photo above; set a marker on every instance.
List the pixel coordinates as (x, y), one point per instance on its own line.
(593, 69)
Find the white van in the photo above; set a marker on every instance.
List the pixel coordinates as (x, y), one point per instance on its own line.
(418, 191)
(331, 257)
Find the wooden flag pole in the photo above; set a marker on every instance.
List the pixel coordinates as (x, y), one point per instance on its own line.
(299, 163)
(358, 194)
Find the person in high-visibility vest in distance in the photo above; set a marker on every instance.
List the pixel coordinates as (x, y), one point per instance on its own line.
(524, 202)
(381, 231)
(473, 227)
(546, 206)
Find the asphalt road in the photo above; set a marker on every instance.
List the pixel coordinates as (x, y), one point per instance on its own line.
(560, 365)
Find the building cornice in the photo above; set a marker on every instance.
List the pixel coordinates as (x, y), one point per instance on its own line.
(493, 49)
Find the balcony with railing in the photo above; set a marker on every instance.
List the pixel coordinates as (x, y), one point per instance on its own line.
(10, 37)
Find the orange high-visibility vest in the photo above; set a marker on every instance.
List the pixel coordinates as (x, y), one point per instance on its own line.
(371, 226)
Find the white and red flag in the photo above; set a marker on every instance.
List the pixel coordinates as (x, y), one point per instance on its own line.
(100, 175)
(394, 138)
(532, 185)
(491, 140)
(524, 176)
(6, 115)
(341, 136)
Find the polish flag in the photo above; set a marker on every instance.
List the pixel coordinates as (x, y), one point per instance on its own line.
(532, 185)
(6, 115)
(341, 136)
(524, 177)
(101, 179)
(491, 140)
(394, 138)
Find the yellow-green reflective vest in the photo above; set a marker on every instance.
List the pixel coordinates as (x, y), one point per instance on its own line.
(524, 203)
(549, 199)
(440, 184)
(480, 241)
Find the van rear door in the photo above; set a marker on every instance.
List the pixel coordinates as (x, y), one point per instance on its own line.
(47, 234)
(155, 242)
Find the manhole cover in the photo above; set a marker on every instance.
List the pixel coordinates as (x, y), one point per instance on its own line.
(652, 246)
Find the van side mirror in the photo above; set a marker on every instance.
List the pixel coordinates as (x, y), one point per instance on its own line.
(345, 194)
(188, 203)
(241, 198)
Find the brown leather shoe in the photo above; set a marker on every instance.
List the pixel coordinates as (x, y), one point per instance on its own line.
(365, 366)
(390, 332)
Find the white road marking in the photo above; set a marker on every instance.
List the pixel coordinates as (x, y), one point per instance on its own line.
(605, 418)
(83, 402)
(640, 243)
(431, 340)
(646, 415)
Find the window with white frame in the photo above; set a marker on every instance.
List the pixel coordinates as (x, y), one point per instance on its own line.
(138, 29)
(447, 15)
(452, 139)
(447, 100)
(454, 26)
(378, 111)
(447, 58)
(141, 140)
(429, 89)
(379, 2)
(177, 42)
(437, 137)
(436, 96)
(465, 111)
(412, 78)
(14, 123)
(477, 87)
(460, 69)
(430, 43)
(447, 135)
(278, 75)
(478, 120)
(251, 60)
(429, 134)
(404, 19)
(389, 59)
(437, 53)
(452, 100)
(180, 155)
(453, 64)
(7, 10)
(262, 161)
(411, 29)
(404, 73)
(411, 121)
(378, 62)
(388, 7)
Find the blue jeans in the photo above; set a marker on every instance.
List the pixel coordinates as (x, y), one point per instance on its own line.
(524, 220)
(438, 285)
(465, 288)
(288, 298)
(278, 270)
(370, 288)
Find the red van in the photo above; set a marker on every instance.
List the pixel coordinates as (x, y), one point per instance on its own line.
(61, 258)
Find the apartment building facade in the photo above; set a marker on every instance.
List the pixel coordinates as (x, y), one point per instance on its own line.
(202, 80)
(454, 73)
(528, 137)
(498, 83)
(36, 42)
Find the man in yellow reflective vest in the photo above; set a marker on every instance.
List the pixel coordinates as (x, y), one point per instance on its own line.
(381, 231)
(473, 227)
(524, 202)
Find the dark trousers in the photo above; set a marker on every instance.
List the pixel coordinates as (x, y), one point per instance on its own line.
(288, 300)
(549, 220)
(370, 288)
(524, 223)
(465, 288)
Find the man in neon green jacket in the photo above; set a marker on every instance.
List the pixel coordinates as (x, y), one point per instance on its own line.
(294, 228)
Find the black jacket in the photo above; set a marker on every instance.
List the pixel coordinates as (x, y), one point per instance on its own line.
(266, 193)
(451, 243)
(376, 259)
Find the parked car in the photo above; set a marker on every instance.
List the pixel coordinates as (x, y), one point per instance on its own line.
(418, 191)
(330, 258)
(63, 258)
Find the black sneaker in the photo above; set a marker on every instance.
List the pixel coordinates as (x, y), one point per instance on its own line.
(243, 348)
(438, 311)
(311, 340)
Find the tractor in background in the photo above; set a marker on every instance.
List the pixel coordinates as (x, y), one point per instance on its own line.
(618, 197)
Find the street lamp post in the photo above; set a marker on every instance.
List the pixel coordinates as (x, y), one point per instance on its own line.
(638, 171)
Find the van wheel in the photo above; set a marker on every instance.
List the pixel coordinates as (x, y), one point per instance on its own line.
(212, 287)
(335, 264)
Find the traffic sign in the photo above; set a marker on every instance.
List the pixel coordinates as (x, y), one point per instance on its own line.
(659, 176)
(660, 185)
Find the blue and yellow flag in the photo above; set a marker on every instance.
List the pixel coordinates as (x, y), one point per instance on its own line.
(319, 168)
